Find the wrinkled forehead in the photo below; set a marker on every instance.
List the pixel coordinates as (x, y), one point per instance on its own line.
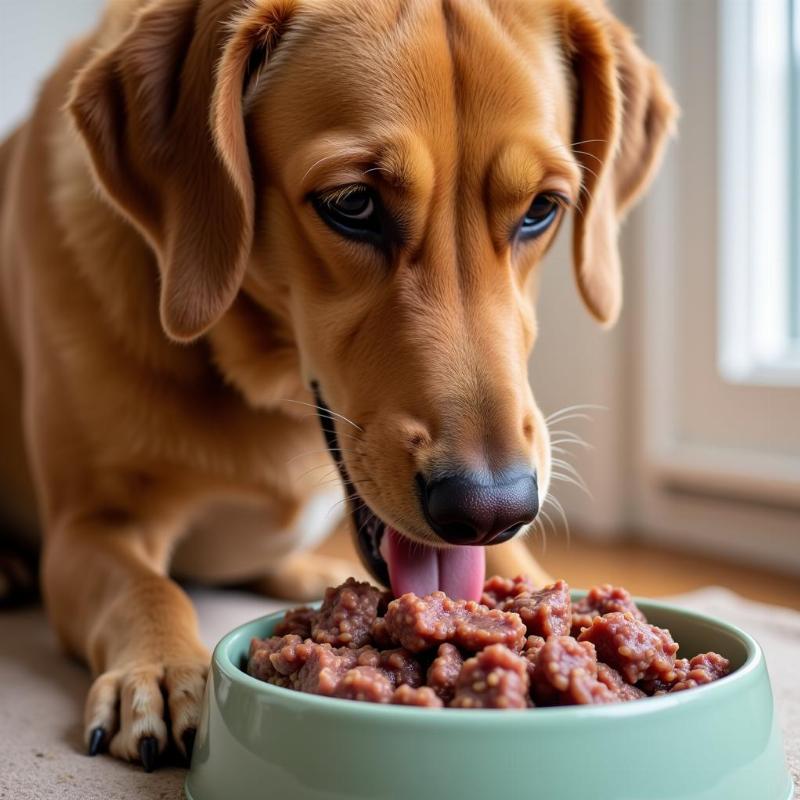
(462, 74)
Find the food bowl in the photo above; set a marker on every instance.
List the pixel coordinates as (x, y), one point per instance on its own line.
(715, 742)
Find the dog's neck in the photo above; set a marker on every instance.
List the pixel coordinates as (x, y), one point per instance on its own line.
(255, 351)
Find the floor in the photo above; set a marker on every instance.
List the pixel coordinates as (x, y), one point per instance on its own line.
(645, 569)
(41, 691)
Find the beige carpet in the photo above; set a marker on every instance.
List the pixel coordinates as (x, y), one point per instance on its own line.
(41, 696)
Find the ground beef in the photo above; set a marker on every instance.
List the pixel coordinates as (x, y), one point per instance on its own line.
(638, 650)
(401, 667)
(494, 678)
(385, 598)
(616, 683)
(414, 654)
(290, 656)
(547, 612)
(497, 590)
(599, 600)
(689, 673)
(347, 614)
(260, 664)
(566, 674)
(368, 684)
(420, 623)
(297, 621)
(533, 646)
(323, 669)
(655, 686)
(444, 670)
(424, 696)
(703, 668)
(380, 635)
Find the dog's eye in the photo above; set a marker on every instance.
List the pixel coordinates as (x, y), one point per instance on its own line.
(539, 217)
(353, 211)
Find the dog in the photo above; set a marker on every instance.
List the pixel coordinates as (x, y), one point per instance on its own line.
(226, 216)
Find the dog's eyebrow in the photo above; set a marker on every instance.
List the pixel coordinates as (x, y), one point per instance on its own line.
(521, 171)
(395, 165)
(333, 161)
(392, 163)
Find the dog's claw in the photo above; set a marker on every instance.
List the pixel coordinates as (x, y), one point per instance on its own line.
(97, 741)
(148, 752)
(188, 742)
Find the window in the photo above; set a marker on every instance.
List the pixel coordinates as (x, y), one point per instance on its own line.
(716, 249)
(759, 167)
(795, 157)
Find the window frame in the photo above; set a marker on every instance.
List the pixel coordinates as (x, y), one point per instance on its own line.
(692, 486)
(758, 245)
(794, 138)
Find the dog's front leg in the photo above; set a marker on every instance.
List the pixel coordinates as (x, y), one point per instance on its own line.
(113, 606)
(305, 576)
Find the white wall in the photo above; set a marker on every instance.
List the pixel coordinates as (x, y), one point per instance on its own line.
(576, 362)
(682, 457)
(32, 37)
(629, 370)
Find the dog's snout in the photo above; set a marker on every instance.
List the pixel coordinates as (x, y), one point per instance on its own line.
(478, 509)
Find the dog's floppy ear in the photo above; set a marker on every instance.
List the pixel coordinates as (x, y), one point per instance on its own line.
(624, 116)
(161, 114)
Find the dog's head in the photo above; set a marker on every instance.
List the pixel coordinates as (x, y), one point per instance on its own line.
(383, 177)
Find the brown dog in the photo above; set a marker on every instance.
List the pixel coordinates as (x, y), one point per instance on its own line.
(219, 206)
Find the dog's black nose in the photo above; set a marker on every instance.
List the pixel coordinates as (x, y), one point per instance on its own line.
(480, 509)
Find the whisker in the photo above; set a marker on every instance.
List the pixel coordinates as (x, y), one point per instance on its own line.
(579, 442)
(556, 449)
(339, 434)
(319, 161)
(558, 476)
(332, 508)
(590, 155)
(544, 514)
(556, 503)
(571, 434)
(571, 472)
(319, 451)
(567, 417)
(334, 478)
(347, 435)
(591, 172)
(559, 462)
(589, 141)
(328, 481)
(365, 522)
(578, 407)
(314, 469)
(324, 410)
(538, 528)
(582, 166)
(345, 500)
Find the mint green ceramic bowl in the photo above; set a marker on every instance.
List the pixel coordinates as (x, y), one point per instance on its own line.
(716, 742)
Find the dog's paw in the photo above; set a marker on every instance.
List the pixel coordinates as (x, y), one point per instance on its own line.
(128, 709)
(305, 576)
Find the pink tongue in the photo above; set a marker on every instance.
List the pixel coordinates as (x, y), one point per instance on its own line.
(457, 571)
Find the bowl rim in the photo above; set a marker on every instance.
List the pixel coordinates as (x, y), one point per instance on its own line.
(754, 661)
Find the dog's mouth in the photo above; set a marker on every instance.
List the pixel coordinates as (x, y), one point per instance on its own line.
(394, 560)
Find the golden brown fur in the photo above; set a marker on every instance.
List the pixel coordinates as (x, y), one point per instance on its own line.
(167, 287)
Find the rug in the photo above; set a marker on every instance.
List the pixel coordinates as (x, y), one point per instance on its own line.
(42, 692)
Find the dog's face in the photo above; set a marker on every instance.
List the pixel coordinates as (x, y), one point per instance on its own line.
(389, 175)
